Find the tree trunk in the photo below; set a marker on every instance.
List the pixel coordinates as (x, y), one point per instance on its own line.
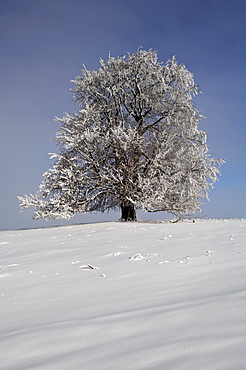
(128, 212)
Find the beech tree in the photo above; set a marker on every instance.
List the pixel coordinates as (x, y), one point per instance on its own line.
(134, 143)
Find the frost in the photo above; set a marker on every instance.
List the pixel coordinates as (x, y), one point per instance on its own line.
(133, 144)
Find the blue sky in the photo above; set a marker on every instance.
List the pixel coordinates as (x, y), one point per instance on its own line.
(43, 45)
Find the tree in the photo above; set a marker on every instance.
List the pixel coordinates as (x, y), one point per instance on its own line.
(133, 144)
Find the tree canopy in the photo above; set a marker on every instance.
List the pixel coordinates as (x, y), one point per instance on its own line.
(134, 143)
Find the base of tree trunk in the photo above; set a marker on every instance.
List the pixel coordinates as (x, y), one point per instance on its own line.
(128, 212)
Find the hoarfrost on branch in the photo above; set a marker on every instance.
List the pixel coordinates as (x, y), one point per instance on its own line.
(133, 144)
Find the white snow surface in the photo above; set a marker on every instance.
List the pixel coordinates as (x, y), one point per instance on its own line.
(124, 296)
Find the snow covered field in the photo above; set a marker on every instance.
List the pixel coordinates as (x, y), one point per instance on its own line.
(124, 296)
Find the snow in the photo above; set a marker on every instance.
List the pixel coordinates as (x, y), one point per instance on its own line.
(124, 296)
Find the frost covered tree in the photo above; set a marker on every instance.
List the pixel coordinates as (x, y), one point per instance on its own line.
(134, 143)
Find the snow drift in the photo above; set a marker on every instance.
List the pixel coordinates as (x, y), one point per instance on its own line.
(124, 295)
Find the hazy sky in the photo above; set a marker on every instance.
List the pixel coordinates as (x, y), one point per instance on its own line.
(43, 44)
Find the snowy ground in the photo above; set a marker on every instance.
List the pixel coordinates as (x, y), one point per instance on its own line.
(124, 296)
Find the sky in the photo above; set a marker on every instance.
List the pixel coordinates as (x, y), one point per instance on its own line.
(44, 44)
